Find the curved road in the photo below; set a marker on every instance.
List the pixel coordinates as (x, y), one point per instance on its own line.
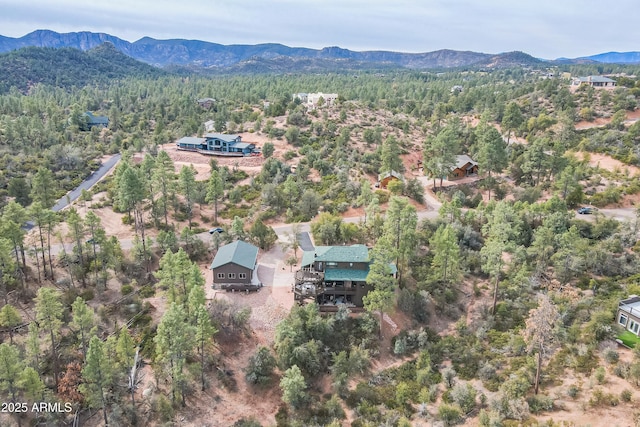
(87, 183)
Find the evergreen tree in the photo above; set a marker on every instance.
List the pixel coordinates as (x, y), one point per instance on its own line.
(446, 261)
(174, 342)
(97, 375)
(390, 156)
(83, 322)
(10, 318)
(215, 191)
(49, 312)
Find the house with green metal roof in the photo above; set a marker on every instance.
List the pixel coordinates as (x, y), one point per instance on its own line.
(234, 267)
(94, 121)
(333, 275)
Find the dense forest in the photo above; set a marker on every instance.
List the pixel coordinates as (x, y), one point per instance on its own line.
(502, 310)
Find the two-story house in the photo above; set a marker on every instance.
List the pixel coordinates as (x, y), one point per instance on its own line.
(218, 144)
(332, 275)
(234, 267)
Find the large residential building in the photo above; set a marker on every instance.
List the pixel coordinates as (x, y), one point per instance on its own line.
(311, 100)
(217, 144)
(594, 81)
(333, 275)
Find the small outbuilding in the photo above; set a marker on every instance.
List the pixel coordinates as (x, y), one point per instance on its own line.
(234, 267)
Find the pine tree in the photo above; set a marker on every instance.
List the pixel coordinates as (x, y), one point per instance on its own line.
(10, 318)
(539, 331)
(174, 342)
(446, 261)
(49, 312)
(187, 180)
(215, 191)
(97, 375)
(204, 334)
(83, 322)
(164, 177)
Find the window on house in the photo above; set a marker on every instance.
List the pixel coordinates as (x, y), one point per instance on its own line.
(232, 275)
(220, 275)
(634, 326)
(332, 264)
(623, 319)
(242, 275)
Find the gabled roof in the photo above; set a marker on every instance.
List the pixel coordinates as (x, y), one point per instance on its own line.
(96, 120)
(353, 253)
(462, 160)
(238, 252)
(222, 137)
(394, 174)
(596, 79)
(190, 140)
(203, 100)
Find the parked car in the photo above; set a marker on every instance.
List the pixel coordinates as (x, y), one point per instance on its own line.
(586, 210)
(216, 230)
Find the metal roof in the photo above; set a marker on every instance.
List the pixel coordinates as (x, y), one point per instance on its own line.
(463, 159)
(222, 137)
(342, 274)
(191, 140)
(238, 252)
(596, 79)
(99, 120)
(353, 253)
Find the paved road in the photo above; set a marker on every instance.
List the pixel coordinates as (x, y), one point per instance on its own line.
(87, 183)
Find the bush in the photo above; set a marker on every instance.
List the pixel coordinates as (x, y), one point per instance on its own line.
(449, 414)
(626, 395)
(600, 398)
(261, 366)
(540, 403)
(126, 289)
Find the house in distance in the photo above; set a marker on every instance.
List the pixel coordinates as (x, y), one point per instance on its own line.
(628, 315)
(218, 144)
(465, 166)
(234, 267)
(91, 121)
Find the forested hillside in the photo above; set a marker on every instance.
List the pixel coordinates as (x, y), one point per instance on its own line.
(68, 67)
(492, 301)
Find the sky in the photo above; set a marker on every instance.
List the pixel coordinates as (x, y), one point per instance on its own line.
(543, 28)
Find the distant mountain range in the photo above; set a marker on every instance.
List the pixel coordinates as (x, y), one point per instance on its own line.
(194, 53)
(278, 57)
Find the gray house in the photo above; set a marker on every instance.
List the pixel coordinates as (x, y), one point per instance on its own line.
(218, 144)
(628, 315)
(234, 267)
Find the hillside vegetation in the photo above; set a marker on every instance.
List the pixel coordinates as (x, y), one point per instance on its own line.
(502, 311)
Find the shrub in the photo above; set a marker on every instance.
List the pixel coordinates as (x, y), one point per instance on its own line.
(539, 403)
(260, 367)
(449, 414)
(600, 398)
(465, 396)
(573, 391)
(600, 375)
(126, 289)
(625, 395)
